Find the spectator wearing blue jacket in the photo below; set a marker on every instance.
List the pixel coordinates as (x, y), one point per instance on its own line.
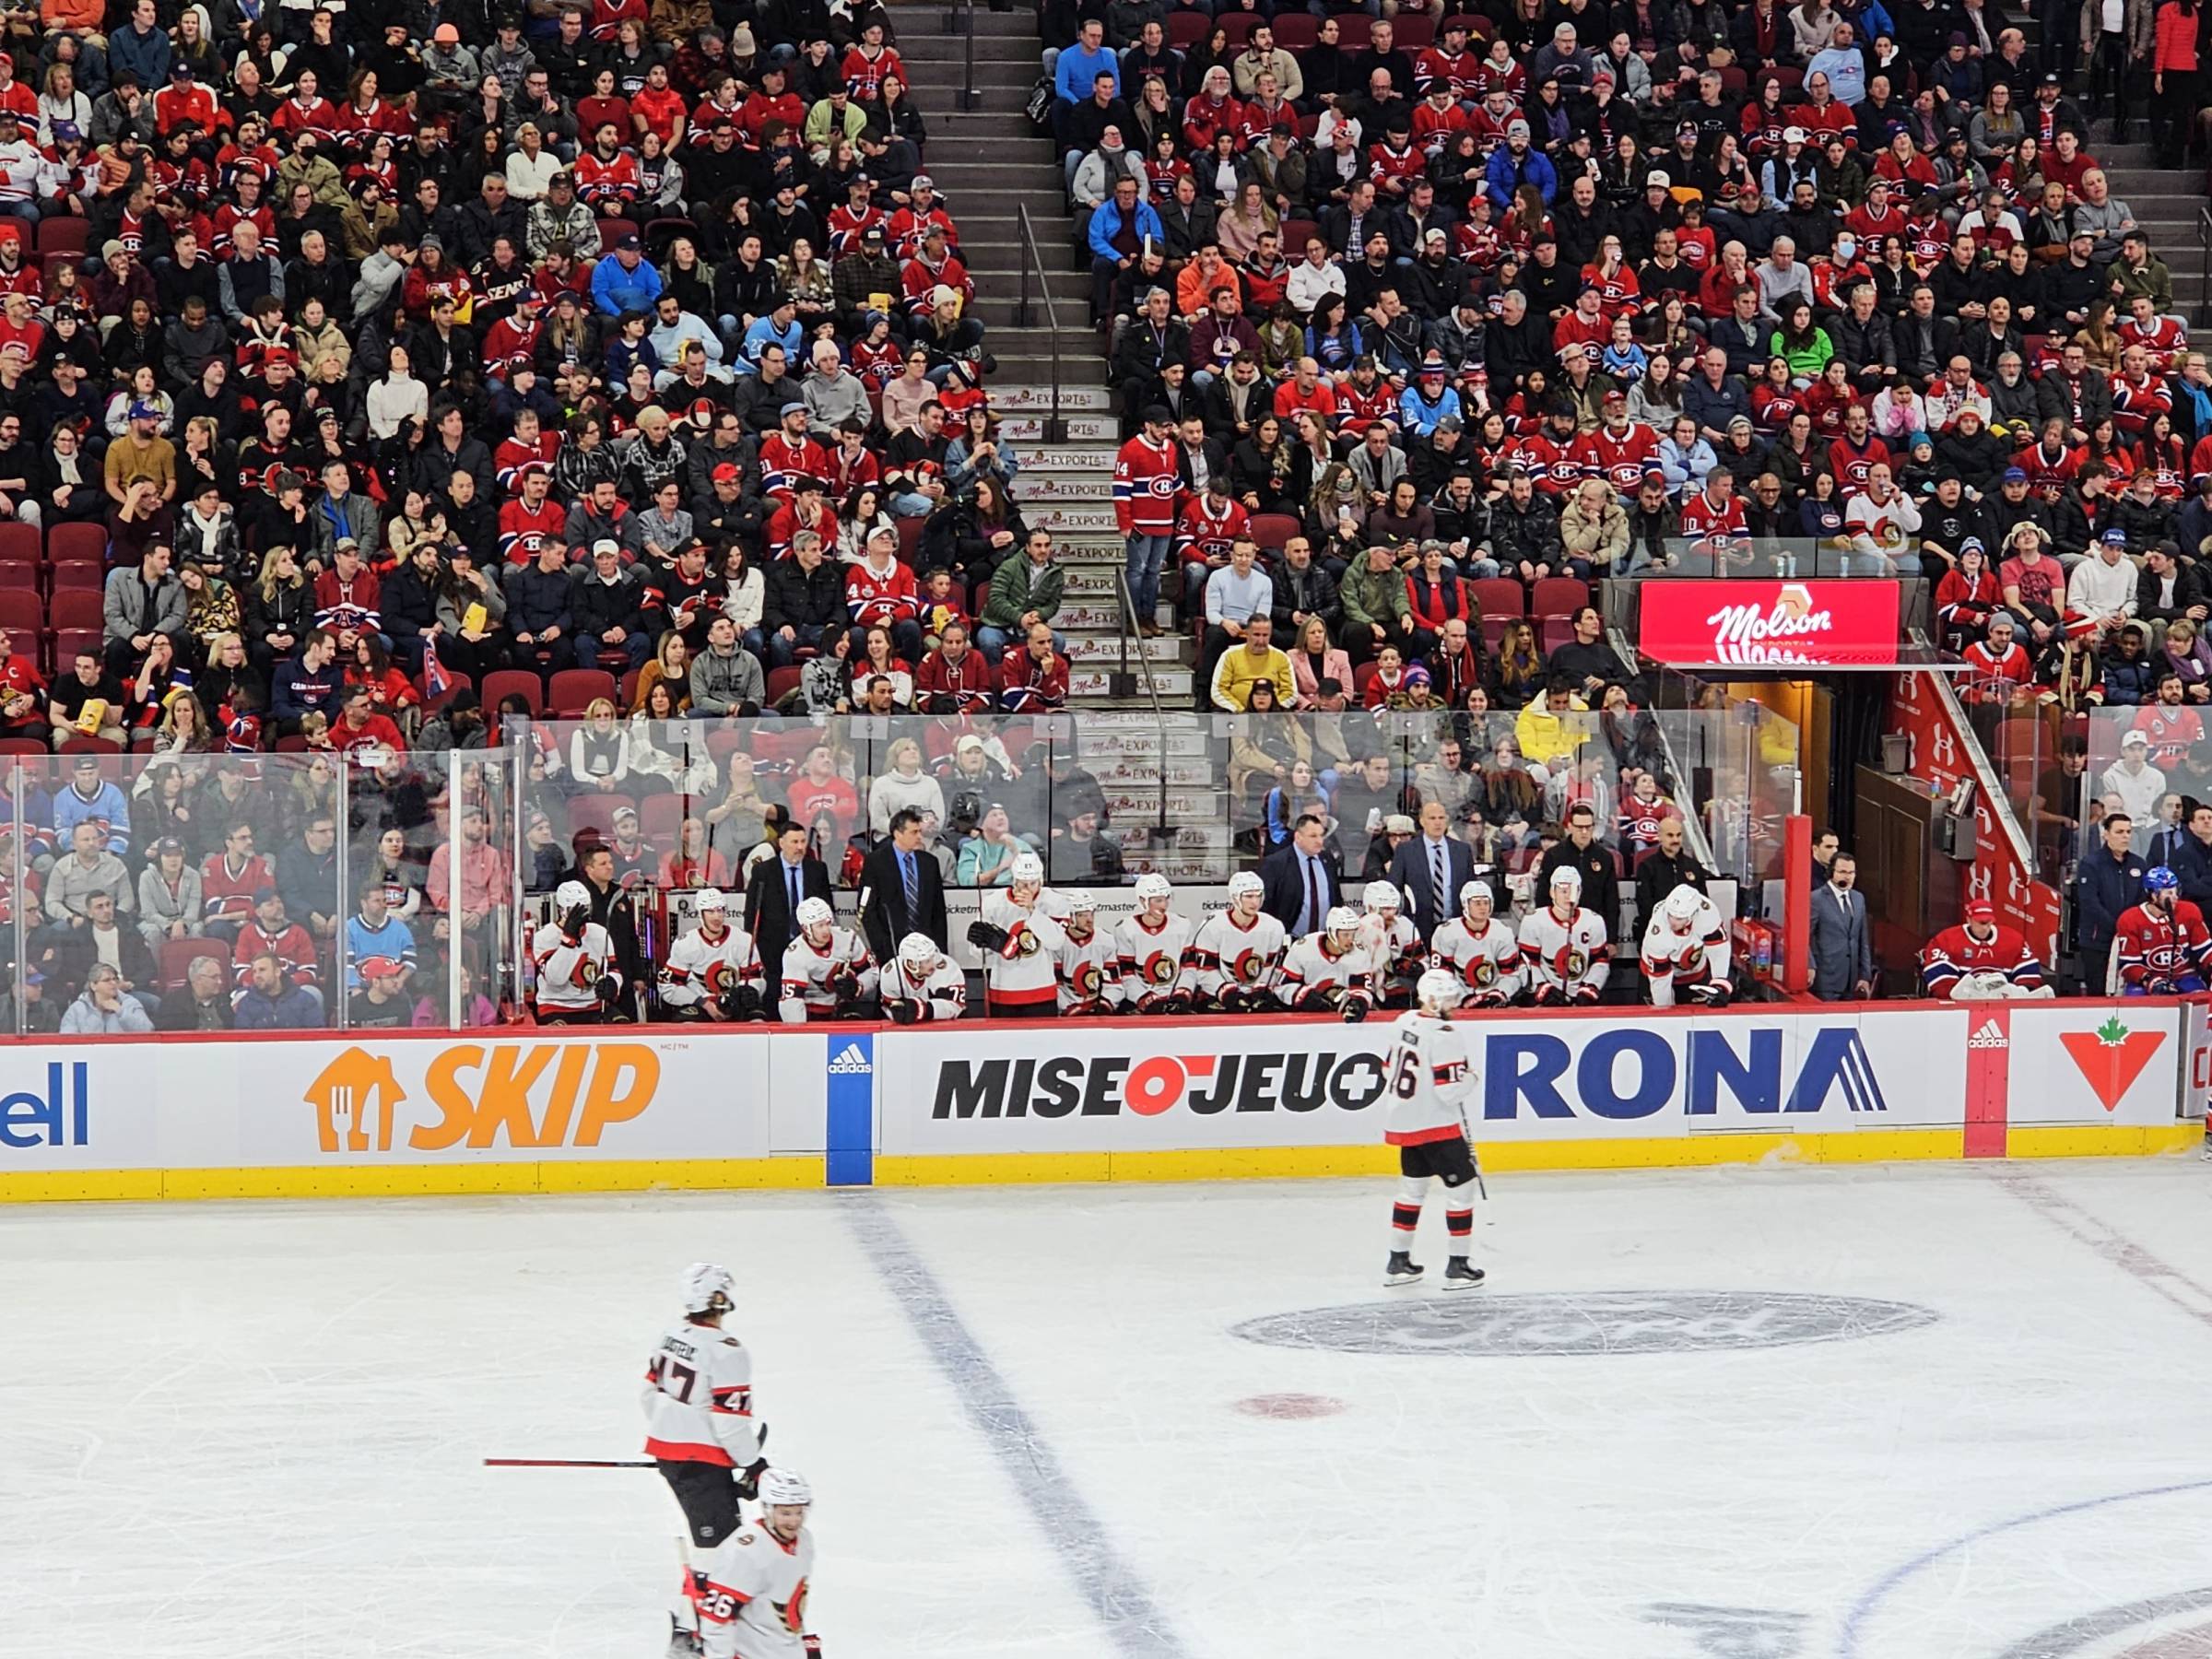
(142, 48)
(272, 1002)
(778, 327)
(622, 281)
(1430, 399)
(1713, 397)
(308, 684)
(1119, 231)
(2108, 884)
(1078, 69)
(374, 932)
(92, 797)
(1513, 164)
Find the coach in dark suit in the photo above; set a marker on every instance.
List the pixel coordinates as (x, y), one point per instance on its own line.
(773, 896)
(901, 889)
(1842, 951)
(1303, 880)
(1413, 867)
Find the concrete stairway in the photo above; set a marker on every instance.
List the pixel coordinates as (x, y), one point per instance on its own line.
(986, 162)
(2166, 203)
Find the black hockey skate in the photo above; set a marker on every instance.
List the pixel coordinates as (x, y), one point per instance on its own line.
(1403, 1270)
(1458, 1275)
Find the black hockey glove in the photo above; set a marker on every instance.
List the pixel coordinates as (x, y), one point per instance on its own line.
(1353, 1009)
(608, 990)
(987, 936)
(845, 985)
(741, 1002)
(812, 1644)
(1584, 995)
(749, 1479)
(1549, 996)
(903, 1010)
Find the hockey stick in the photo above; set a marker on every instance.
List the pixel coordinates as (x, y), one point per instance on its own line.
(569, 1463)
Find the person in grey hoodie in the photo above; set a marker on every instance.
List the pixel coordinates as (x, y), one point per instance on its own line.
(382, 272)
(832, 394)
(725, 677)
(192, 340)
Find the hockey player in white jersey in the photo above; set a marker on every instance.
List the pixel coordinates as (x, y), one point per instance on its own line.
(827, 969)
(700, 1428)
(921, 985)
(1429, 1076)
(1020, 940)
(1394, 944)
(754, 1604)
(576, 981)
(1686, 952)
(1564, 946)
(713, 971)
(1327, 971)
(1482, 950)
(1237, 953)
(1150, 948)
(1088, 967)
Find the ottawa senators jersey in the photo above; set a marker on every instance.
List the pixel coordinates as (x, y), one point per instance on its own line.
(569, 970)
(700, 969)
(1428, 1076)
(1089, 971)
(1956, 954)
(1573, 958)
(754, 1606)
(698, 1399)
(1315, 974)
(1689, 966)
(1150, 959)
(1393, 953)
(811, 975)
(1023, 972)
(1487, 963)
(942, 994)
(2155, 953)
(1228, 954)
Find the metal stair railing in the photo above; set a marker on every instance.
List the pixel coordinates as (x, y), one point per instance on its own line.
(1032, 269)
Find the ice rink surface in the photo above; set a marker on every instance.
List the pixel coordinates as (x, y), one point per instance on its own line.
(1940, 1412)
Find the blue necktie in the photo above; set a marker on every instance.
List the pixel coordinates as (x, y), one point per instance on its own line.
(791, 874)
(913, 889)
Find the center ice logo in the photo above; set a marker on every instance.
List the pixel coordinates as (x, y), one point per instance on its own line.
(524, 1095)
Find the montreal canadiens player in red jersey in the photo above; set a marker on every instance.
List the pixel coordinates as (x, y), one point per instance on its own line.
(1979, 960)
(1429, 1076)
(2160, 948)
(700, 1427)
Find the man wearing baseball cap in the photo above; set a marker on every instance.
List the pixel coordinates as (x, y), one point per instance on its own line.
(1979, 960)
(1513, 164)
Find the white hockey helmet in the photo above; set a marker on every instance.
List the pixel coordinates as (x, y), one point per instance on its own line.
(779, 1487)
(1082, 902)
(1439, 991)
(1152, 885)
(709, 899)
(1379, 895)
(1681, 906)
(1027, 867)
(1471, 890)
(1245, 884)
(919, 952)
(813, 912)
(1567, 877)
(570, 894)
(701, 1283)
(1342, 919)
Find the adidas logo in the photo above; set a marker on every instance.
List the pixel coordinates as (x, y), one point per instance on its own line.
(1987, 1035)
(851, 1062)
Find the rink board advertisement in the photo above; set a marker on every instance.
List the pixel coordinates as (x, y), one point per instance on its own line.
(512, 1109)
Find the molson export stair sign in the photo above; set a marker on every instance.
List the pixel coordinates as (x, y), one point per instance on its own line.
(1825, 624)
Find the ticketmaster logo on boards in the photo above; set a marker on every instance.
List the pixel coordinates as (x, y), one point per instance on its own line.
(852, 1061)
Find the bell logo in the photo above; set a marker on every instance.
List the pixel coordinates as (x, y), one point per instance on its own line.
(524, 1095)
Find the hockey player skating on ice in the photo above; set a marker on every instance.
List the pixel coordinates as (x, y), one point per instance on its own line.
(1565, 946)
(1428, 1075)
(576, 983)
(1237, 953)
(827, 969)
(700, 1427)
(713, 971)
(1088, 968)
(1150, 948)
(922, 983)
(1020, 941)
(1980, 962)
(2160, 948)
(754, 1602)
(1482, 950)
(1394, 946)
(1326, 971)
(1686, 952)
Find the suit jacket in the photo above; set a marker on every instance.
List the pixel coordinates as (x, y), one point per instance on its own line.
(1842, 951)
(883, 915)
(767, 909)
(1283, 873)
(1413, 875)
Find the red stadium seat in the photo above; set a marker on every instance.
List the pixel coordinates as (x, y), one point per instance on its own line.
(178, 955)
(89, 746)
(1271, 530)
(509, 682)
(64, 236)
(1500, 598)
(781, 683)
(661, 816)
(22, 745)
(75, 608)
(1186, 29)
(574, 689)
(1294, 32)
(86, 543)
(22, 615)
(77, 574)
(1558, 596)
(1553, 632)
(1238, 26)
(21, 545)
(456, 682)
(1416, 33)
(595, 812)
(1353, 33)
(612, 231)
(68, 641)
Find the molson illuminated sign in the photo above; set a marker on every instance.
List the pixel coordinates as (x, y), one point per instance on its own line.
(1844, 623)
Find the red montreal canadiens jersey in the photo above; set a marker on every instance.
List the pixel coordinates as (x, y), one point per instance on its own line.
(2151, 950)
(1620, 457)
(1145, 482)
(2173, 733)
(1955, 953)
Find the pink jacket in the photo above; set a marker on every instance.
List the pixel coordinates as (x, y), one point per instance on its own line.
(1334, 664)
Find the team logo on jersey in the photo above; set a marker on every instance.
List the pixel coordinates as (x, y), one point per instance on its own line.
(1088, 980)
(1247, 967)
(1029, 944)
(1160, 970)
(1482, 971)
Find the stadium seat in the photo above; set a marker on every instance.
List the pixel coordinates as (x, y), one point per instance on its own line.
(78, 543)
(21, 545)
(1295, 31)
(1271, 530)
(574, 689)
(22, 745)
(661, 816)
(89, 746)
(1416, 33)
(178, 955)
(1353, 33)
(456, 682)
(594, 812)
(68, 641)
(612, 231)
(75, 573)
(1186, 29)
(22, 615)
(64, 236)
(781, 683)
(1558, 596)
(75, 608)
(1237, 25)
(1555, 631)
(508, 682)
(1297, 232)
